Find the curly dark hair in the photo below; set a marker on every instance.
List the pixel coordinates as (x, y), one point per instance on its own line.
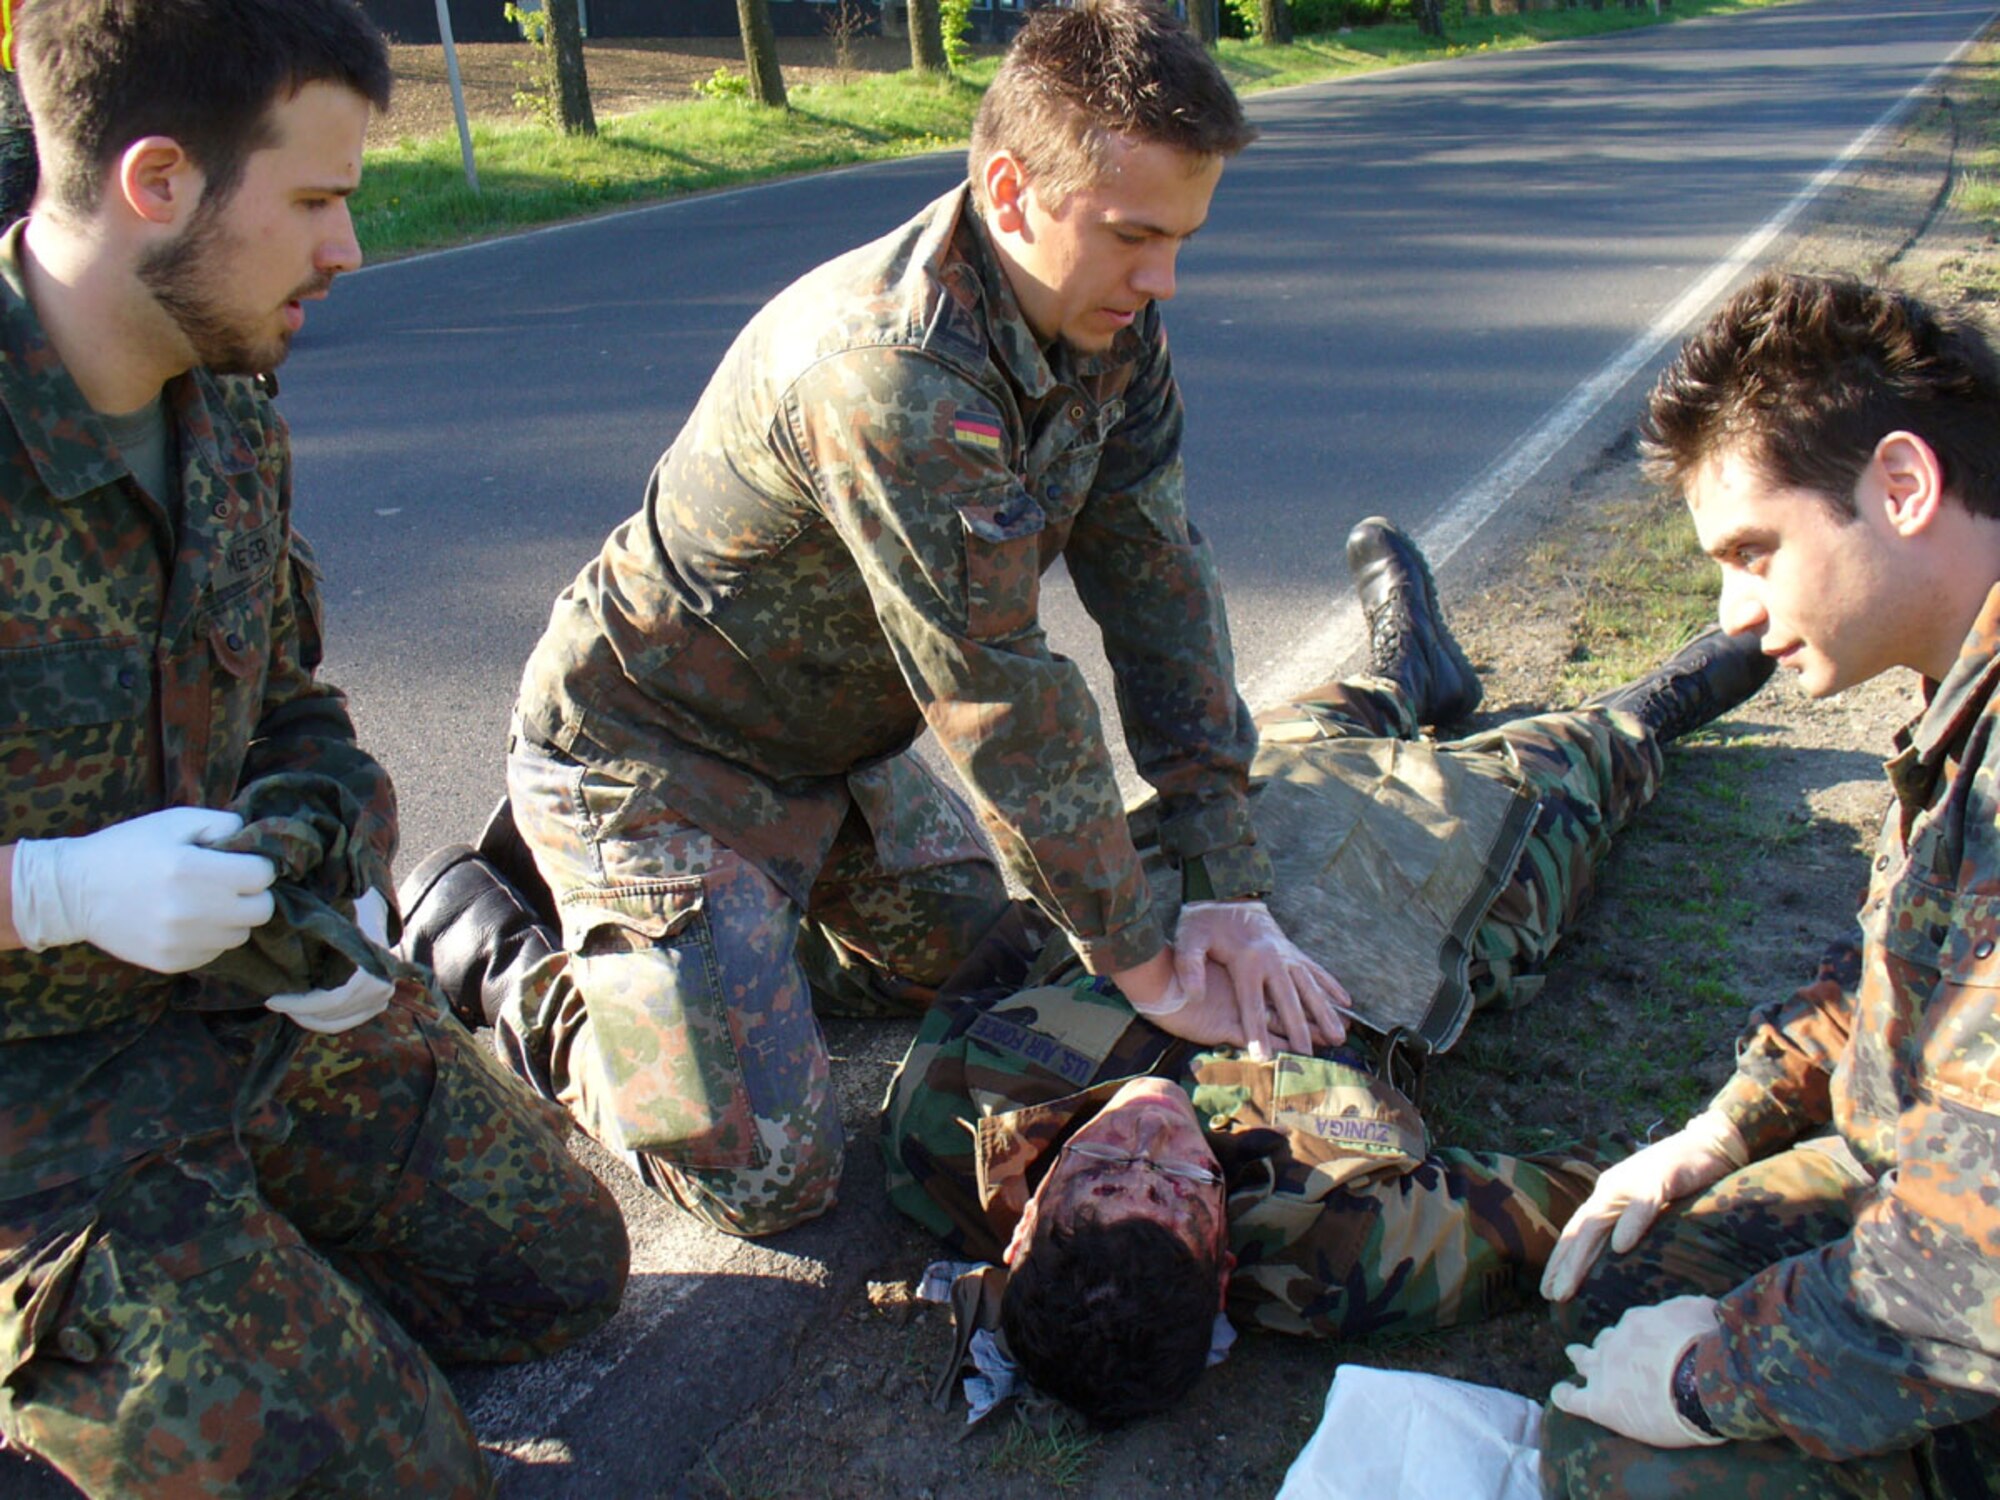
(1809, 373)
(1115, 1320)
(101, 74)
(1075, 78)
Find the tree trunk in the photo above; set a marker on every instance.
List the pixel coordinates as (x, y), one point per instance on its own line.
(17, 153)
(760, 53)
(1430, 17)
(927, 37)
(1202, 21)
(1274, 23)
(572, 83)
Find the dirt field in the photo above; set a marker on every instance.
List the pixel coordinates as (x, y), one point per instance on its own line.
(628, 74)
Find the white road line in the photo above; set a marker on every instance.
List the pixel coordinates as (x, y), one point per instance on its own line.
(1340, 636)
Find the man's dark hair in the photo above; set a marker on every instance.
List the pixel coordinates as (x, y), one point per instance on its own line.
(1115, 1320)
(1804, 375)
(1076, 78)
(101, 74)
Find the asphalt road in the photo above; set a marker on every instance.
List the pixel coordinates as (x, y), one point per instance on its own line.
(1405, 276)
(1423, 293)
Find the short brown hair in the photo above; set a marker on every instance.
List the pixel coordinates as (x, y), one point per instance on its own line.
(1077, 79)
(1804, 375)
(100, 74)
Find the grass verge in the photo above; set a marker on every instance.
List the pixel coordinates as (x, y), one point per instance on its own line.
(413, 195)
(1976, 191)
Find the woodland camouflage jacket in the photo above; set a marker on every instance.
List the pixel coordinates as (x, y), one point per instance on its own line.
(1893, 1330)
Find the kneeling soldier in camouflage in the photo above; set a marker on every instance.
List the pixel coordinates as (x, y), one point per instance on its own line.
(252, 1178)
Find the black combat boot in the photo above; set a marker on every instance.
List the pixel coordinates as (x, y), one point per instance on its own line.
(1408, 641)
(471, 927)
(1704, 680)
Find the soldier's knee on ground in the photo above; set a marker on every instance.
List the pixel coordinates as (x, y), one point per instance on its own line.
(800, 1183)
(264, 1375)
(572, 1280)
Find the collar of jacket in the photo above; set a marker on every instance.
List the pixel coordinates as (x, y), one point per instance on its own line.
(62, 436)
(1033, 370)
(1013, 1151)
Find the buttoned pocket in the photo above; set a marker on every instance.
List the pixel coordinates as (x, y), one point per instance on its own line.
(1003, 564)
(72, 733)
(1958, 1030)
(667, 1077)
(70, 683)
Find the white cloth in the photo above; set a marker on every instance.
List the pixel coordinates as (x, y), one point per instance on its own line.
(1393, 1435)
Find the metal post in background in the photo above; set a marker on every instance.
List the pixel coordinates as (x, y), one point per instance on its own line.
(457, 93)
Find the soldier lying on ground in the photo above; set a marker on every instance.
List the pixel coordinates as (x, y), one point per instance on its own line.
(842, 549)
(252, 1179)
(1804, 1284)
(1133, 1183)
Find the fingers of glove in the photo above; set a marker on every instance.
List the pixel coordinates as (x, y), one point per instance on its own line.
(1564, 1398)
(1634, 1222)
(228, 874)
(1576, 1251)
(184, 825)
(1284, 1017)
(371, 915)
(1253, 1018)
(362, 998)
(1324, 1001)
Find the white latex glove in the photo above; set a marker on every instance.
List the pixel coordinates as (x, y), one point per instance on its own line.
(144, 890)
(1630, 1370)
(1629, 1196)
(1210, 1016)
(1284, 997)
(363, 997)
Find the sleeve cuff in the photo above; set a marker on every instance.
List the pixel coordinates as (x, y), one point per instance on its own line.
(1765, 1124)
(1126, 948)
(1730, 1410)
(1235, 874)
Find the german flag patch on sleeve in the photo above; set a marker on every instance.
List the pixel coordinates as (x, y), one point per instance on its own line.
(976, 429)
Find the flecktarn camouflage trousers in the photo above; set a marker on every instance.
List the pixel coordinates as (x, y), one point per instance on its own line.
(1789, 1204)
(254, 1311)
(678, 1025)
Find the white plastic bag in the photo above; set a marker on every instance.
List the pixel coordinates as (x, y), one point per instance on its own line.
(1392, 1435)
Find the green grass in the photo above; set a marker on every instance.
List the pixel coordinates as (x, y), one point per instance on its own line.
(1976, 192)
(413, 194)
(1251, 66)
(1646, 594)
(1055, 1453)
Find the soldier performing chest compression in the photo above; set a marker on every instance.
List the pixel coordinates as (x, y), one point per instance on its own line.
(840, 551)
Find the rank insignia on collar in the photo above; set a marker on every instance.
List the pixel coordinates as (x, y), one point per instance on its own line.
(977, 429)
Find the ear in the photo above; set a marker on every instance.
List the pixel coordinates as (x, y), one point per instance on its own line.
(1006, 183)
(1912, 480)
(1228, 1265)
(1024, 1233)
(158, 181)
